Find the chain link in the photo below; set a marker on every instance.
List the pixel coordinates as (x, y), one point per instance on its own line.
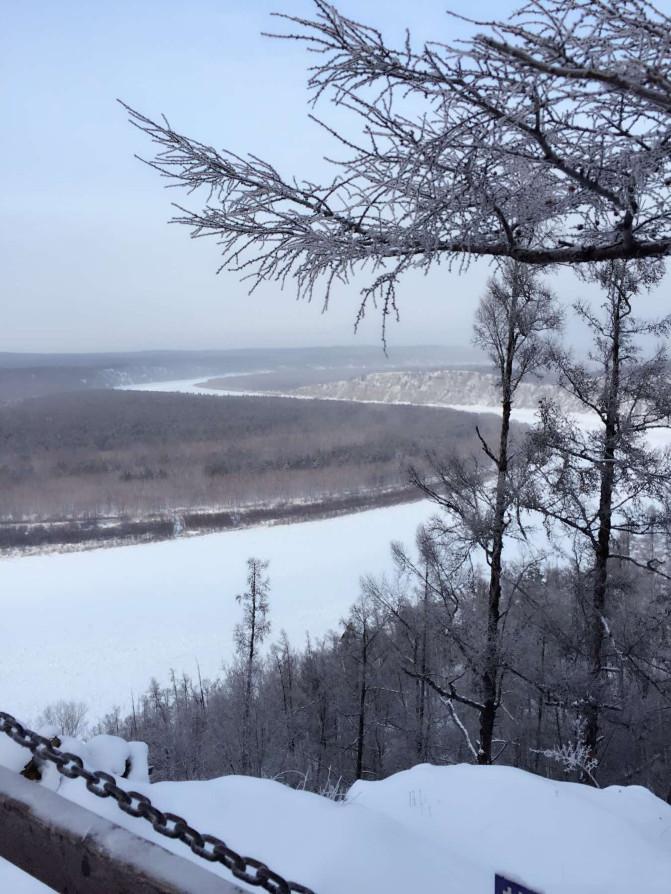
(103, 785)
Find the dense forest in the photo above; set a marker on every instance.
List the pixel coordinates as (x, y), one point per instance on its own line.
(111, 453)
(397, 684)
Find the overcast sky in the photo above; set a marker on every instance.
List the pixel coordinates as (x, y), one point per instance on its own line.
(87, 260)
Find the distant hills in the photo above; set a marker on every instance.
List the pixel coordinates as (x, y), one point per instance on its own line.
(438, 387)
(34, 375)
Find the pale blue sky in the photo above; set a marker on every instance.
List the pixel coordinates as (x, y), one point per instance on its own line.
(88, 262)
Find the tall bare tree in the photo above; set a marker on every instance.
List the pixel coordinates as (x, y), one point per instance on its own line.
(363, 629)
(543, 138)
(249, 635)
(606, 483)
(513, 319)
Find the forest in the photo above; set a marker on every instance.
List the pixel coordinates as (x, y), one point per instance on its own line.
(397, 685)
(91, 454)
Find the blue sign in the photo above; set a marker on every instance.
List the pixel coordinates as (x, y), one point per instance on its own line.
(505, 886)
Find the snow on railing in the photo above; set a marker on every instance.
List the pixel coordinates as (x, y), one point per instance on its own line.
(20, 844)
(69, 848)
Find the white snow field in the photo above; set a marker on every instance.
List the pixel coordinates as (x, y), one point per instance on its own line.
(434, 830)
(95, 626)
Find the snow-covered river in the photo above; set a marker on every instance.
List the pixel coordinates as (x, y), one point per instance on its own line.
(95, 626)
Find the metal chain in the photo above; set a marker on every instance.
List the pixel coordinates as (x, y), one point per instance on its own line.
(103, 785)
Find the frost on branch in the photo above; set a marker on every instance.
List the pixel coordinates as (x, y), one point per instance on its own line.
(544, 138)
(574, 757)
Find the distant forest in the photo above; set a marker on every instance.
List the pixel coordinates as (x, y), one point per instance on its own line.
(111, 453)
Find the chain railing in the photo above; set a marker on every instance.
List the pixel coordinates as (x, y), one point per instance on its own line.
(104, 785)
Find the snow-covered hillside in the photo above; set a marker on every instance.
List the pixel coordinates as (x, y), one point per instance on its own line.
(438, 830)
(444, 387)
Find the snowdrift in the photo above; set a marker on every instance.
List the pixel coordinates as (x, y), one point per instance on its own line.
(438, 830)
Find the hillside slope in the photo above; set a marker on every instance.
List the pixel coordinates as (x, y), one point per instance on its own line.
(443, 387)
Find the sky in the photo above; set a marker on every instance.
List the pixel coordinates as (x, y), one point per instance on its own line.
(88, 260)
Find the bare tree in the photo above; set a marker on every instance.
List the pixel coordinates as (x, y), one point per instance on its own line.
(543, 138)
(512, 320)
(358, 638)
(249, 635)
(68, 716)
(607, 483)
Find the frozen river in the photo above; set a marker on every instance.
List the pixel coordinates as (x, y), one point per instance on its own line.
(95, 626)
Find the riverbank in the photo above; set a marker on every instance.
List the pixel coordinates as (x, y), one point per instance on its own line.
(65, 535)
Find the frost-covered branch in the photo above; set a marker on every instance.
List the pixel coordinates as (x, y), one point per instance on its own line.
(544, 138)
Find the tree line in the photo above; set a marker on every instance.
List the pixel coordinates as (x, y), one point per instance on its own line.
(399, 683)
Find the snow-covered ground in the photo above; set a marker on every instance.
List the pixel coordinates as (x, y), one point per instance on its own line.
(97, 625)
(435, 830)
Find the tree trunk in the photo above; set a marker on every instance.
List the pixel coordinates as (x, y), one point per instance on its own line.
(363, 691)
(245, 762)
(597, 620)
(489, 684)
(420, 683)
(539, 710)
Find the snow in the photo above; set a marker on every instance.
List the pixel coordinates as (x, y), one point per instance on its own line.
(439, 830)
(552, 837)
(188, 386)
(199, 386)
(108, 753)
(95, 626)
(13, 881)
(176, 386)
